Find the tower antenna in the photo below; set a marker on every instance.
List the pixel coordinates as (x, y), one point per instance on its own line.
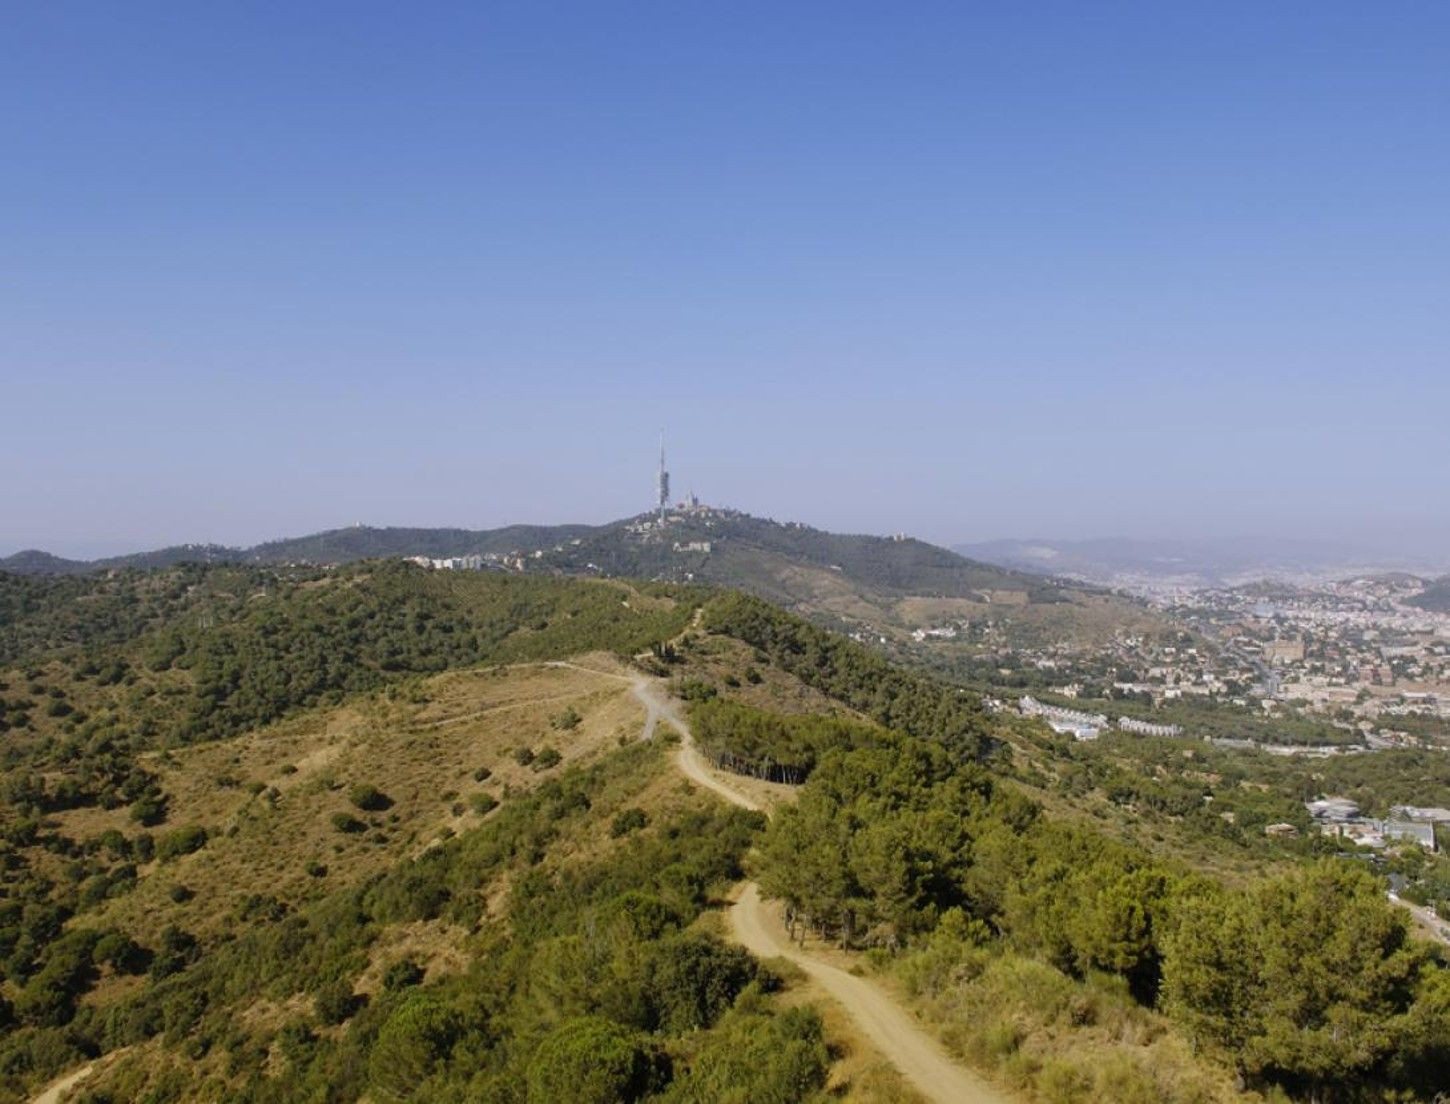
(662, 481)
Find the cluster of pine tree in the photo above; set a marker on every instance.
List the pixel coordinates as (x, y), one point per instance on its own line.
(1308, 980)
(855, 676)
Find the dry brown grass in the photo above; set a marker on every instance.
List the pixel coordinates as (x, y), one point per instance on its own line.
(1056, 1040)
(420, 747)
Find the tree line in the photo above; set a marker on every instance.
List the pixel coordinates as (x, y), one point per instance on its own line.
(1309, 980)
(855, 676)
(772, 746)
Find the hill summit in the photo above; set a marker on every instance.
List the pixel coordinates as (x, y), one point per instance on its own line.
(869, 585)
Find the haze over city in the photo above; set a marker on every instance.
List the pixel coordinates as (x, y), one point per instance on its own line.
(1045, 271)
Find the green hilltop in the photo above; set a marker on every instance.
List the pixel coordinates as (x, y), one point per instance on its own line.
(879, 585)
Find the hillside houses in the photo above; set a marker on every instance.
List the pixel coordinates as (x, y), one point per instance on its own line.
(1341, 818)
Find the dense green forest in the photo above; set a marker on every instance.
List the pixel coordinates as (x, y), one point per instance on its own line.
(772, 746)
(856, 676)
(1309, 981)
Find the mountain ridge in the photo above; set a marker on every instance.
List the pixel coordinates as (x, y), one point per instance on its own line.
(878, 587)
(359, 542)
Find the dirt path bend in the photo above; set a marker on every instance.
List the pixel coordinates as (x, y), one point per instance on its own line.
(56, 1090)
(913, 1050)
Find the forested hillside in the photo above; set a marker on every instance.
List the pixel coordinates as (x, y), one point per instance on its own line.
(1041, 947)
(333, 546)
(350, 834)
(888, 585)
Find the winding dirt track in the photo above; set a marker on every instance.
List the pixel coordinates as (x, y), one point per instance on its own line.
(56, 1090)
(913, 1051)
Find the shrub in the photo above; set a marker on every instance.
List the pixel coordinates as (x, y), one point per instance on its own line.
(567, 720)
(694, 690)
(370, 799)
(123, 953)
(752, 1056)
(178, 950)
(149, 809)
(402, 974)
(589, 1060)
(183, 841)
(524, 756)
(482, 803)
(694, 979)
(547, 758)
(411, 1044)
(260, 908)
(336, 1002)
(627, 821)
(482, 774)
(346, 822)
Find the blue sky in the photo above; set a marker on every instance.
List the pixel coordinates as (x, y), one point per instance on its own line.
(964, 270)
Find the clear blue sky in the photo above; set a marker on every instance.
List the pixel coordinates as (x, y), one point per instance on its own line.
(967, 270)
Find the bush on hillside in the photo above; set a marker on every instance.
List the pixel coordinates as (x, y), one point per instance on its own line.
(369, 798)
(183, 841)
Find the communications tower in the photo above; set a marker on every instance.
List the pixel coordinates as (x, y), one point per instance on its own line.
(662, 481)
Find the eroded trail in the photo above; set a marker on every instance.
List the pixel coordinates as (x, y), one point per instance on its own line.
(910, 1048)
(56, 1090)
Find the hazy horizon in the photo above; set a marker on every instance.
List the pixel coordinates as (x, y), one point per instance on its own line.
(1387, 551)
(1043, 271)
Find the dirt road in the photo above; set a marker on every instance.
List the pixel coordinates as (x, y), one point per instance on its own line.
(1430, 924)
(56, 1090)
(918, 1056)
(911, 1049)
(688, 759)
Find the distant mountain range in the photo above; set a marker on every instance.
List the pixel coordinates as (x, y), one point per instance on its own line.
(1136, 564)
(852, 581)
(358, 542)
